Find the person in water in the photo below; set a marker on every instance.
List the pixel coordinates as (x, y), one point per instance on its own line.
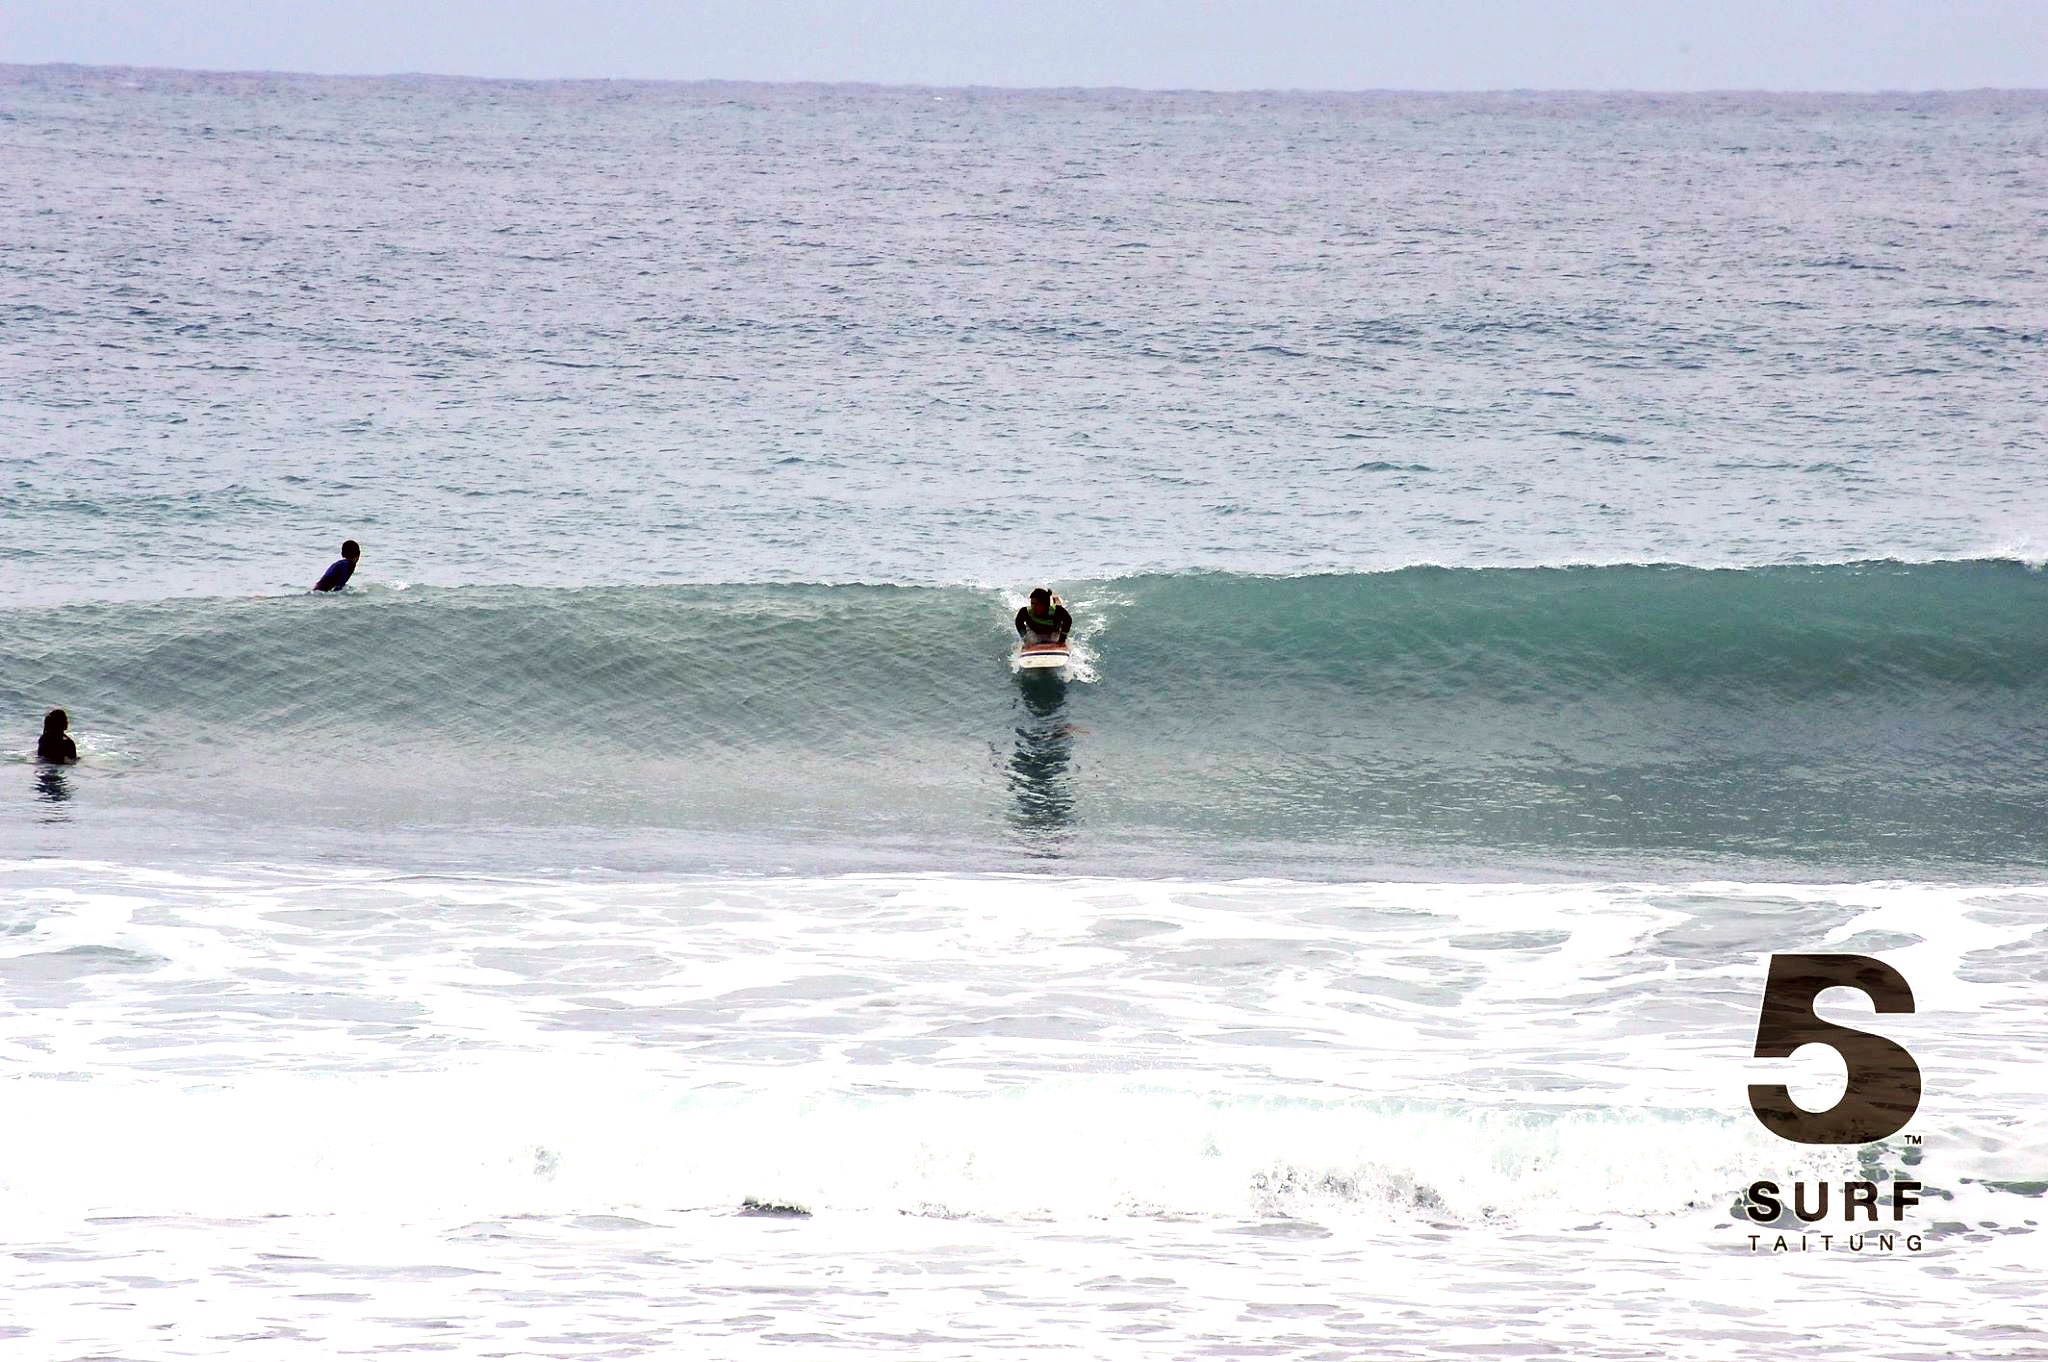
(55, 745)
(336, 577)
(1045, 620)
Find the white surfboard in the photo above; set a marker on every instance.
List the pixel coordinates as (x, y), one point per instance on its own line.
(1043, 655)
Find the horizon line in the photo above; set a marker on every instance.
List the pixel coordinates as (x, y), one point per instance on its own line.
(1862, 92)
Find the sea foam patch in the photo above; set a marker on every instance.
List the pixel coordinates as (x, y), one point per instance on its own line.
(301, 1040)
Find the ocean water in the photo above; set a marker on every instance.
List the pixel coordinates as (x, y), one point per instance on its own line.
(1535, 559)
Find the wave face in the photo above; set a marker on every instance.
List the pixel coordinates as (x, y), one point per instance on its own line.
(1878, 714)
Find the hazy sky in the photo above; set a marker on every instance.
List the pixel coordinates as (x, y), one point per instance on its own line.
(1215, 44)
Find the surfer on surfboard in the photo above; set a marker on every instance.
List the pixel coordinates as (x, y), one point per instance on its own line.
(1045, 620)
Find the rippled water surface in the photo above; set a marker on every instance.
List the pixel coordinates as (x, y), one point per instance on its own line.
(642, 333)
(1536, 559)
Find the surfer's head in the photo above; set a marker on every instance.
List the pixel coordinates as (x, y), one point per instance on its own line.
(55, 723)
(1041, 599)
(351, 550)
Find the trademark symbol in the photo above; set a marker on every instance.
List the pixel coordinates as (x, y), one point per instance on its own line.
(1912, 1139)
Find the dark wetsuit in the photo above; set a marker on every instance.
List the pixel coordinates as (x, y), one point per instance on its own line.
(56, 747)
(1051, 628)
(336, 577)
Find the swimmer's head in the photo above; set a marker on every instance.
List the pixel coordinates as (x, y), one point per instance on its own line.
(1041, 599)
(351, 550)
(55, 722)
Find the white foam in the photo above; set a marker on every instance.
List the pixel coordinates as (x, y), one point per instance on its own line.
(558, 1134)
(999, 1045)
(496, 1113)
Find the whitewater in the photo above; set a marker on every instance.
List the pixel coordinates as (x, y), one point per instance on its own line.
(1536, 559)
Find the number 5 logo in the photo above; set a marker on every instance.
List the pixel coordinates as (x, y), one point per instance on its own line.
(1884, 1082)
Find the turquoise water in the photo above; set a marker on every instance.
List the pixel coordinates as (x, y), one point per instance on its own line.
(1868, 719)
